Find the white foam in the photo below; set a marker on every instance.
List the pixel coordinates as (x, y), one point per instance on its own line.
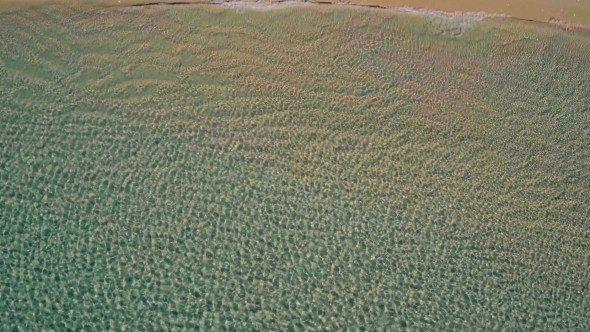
(262, 5)
(478, 16)
(453, 23)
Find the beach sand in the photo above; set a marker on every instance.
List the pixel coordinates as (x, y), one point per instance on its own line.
(571, 11)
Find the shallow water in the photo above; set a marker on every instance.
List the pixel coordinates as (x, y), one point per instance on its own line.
(170, 168)
(573, 11)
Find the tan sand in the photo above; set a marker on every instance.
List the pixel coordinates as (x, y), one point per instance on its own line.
(572, 11)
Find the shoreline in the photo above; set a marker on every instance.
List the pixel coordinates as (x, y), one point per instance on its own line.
(264, 5)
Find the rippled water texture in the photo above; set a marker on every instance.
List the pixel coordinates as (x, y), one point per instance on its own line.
(296, 169)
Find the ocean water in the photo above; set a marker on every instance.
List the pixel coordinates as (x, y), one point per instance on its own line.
(305, 168)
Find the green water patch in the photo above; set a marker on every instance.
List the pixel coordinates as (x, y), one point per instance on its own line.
(137, 72)
(53, 58)
(148, 90)
(26, 69)
(196, 79)
(82, 46)
(86, 77)
(113, 80)
(186, 59)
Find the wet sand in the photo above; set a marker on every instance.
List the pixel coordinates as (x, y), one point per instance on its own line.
(572, 11)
